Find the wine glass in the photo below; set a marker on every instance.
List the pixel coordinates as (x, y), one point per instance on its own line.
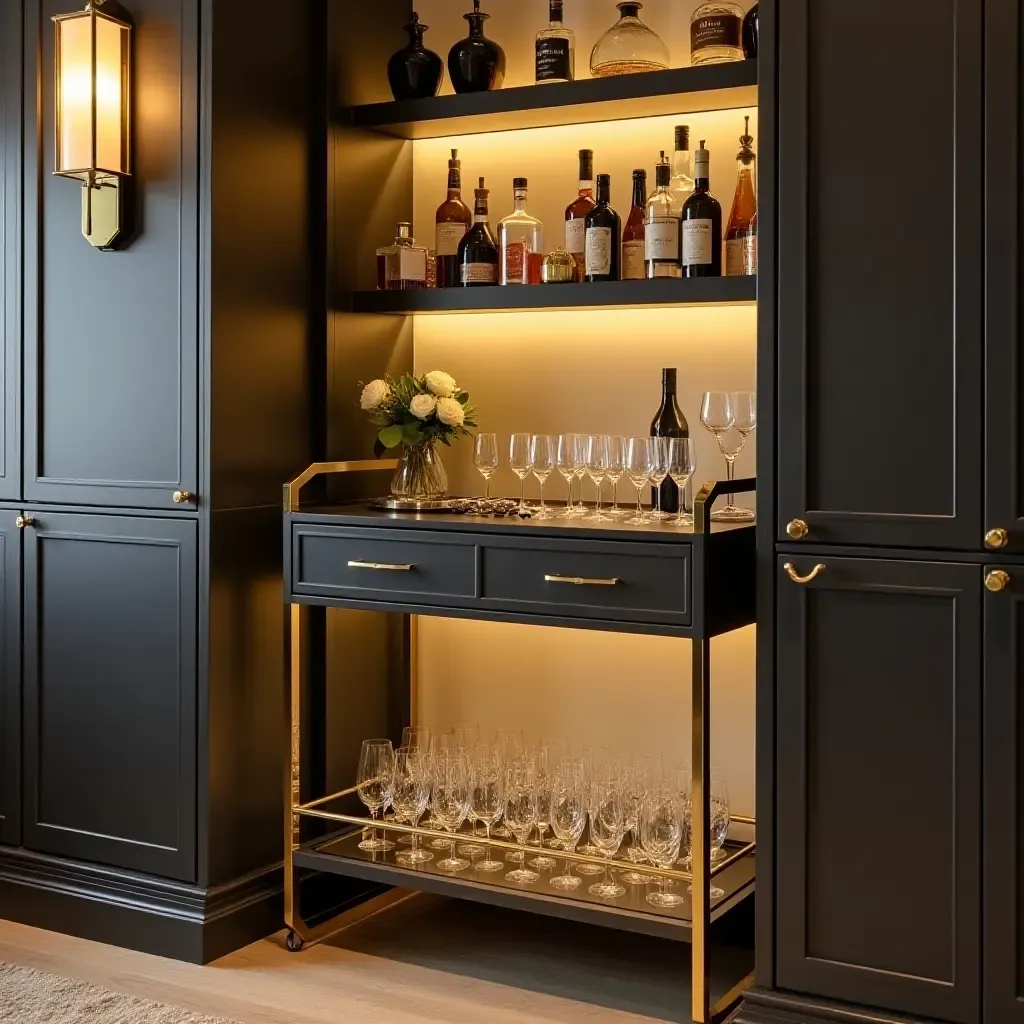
(519, 462)
(521, 812)
(682, 464)
(544, 761)
(567, 458)
(466, 734)
(718, 415)
(581, 472)
(594, 760)
(720, 818)
(608, 817)
(417, 737)
(638, 469)
(485, 458)
(411, 796)
(510, 745)
(568, 814)
(616, 467)
(596, 465)
(543, 456)
(661, 833)
(635, 778)
(658, 473)
(487, 796)
(374, 781)
(450, 800)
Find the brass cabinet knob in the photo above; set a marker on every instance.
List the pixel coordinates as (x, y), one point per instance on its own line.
(997, 538)
(996, 580)
(798, 529)
(22, 521)
(183, 497)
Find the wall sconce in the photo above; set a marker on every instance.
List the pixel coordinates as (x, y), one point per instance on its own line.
(92, 123)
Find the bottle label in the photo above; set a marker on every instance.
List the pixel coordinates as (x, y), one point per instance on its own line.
(741, 256)
(553, 64)
(599, 250)
(479, 273)
(662, 239)
(454, 179)
(697, 243)
(576, 236)
(412, 265)
(715, 30)
(633, 268)
(515, 264)
(447, 238)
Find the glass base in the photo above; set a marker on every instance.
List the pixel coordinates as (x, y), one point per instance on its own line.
(636, 855)
(733, 514)
(414, 857)
(635, 878)
(515, 857)
(440, 844)
(589, 869)
(500, 832)
(566, 882)
(543, 863)
(716, 893)
(376, 845)
(453, 864)
(607, 890)
(471, 850)
(522, 876)
(665, 899)
(489, 865)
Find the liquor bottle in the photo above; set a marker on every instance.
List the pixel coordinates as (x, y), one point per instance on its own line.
(414, 72)
(741, 232)
(751, 34)
(702, 224)
(715, 33)
(452, 220)
(669, 421)
(402, 266)
(520, 242)
(628, 47)
(556, 49)
(662, 248)
(476, 63)
(633, 268)
(604, 235)
(576, 212)
(478, 251)
(681, 185)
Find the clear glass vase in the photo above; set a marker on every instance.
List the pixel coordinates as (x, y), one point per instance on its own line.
(420, 475)
(628, 46)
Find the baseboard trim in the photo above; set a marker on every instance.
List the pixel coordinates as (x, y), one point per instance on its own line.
(124, 908)
(769, 1006)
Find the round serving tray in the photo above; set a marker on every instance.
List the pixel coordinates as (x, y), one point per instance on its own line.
(412, 505)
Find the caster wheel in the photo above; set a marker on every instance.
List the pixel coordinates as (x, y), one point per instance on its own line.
(293, 943)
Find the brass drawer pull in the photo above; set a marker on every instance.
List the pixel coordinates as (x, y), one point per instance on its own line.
(384, 566)
(582, 581)
(797, 578)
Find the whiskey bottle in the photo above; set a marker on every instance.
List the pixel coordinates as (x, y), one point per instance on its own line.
(681, 185)
(478, 251)
(669, 421)
(452, 220)
(556, 49)
(702, 224)
(520, 242)
(402, 266)
(715, 33)
(662, 248)
(633, 268)
(741, 233)
(576, 212)
(604, 235)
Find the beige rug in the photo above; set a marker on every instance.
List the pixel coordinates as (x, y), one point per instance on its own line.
(32, 997)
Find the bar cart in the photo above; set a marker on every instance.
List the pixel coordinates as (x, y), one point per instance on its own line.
(658, 580)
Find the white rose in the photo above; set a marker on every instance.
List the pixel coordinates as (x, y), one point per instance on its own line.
(373, 395)
(450, 412)
(422, 406)
(440, 383)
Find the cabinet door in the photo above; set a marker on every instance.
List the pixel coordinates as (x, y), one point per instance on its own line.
(10, 680)
(880, 271)
(111, 339)
(878, 824)
(110, 691)
(1004, 270)
(1004, 802)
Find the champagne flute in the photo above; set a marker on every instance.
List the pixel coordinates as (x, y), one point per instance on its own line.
(608, 818)
(545, 761)
(510, 746)
(659, 471)
(597, 467)
(682, 464)
(543, 456)
(519, 461)
(487, 800)
(374, 782)
(718, 415)
(567, 458)
(568, 814)
(485, 458)
(450, 799)
(581, 472)
(616, 468)
(638, 469)
(411, 796)
(521, 812)
(661, 831)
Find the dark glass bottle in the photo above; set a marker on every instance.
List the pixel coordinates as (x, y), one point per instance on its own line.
(451, 222)
(476, 64)
(604, 235)
(633, 266)
(702, 223)
(415, 73)
(478, 250)
(668, 421)
(576, 214)
(750, 34)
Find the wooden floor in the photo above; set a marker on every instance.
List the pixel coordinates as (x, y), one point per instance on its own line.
(426, 960)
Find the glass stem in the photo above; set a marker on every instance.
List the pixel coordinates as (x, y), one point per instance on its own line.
(522, 494)
(487, 488)
(541, 482)
(639, 505)
(657, 498)
(615, 496)
(597, 484)
(730, 475)
(487, 832)
(373, 831)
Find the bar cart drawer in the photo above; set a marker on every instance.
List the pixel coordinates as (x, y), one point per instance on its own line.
(628, 582)
(362, 565)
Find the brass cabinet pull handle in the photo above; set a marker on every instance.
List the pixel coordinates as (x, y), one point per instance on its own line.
(22, 521)
(997, 538)
(582, 581)
(996, 580)
(383, 566)
(183, 497)
(797, 578)
(798, 529)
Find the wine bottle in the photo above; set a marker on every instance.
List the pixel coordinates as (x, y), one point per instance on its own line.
(478, 250)
(702, 224)
(604, 235)
(633, 266)
(576, 213)
(741, 231)
(669, 421)
(661, 254)
(451, 222)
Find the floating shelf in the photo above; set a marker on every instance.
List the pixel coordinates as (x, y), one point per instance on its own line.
(605, 294)
(676, 91)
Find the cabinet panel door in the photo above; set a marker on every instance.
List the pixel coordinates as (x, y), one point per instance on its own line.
(110, 691)
(10, 680)
(1004, 802)
(880, 271)
(111, 339)
(878, 824)
(1004, 273)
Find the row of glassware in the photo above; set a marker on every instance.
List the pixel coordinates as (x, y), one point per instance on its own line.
(511, 789)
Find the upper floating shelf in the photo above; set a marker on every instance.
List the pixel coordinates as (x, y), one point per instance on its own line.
(676, 91)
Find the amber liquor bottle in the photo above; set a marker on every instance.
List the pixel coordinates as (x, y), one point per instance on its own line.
(478, 250)
(741, 232)
(702, 223)
(451, 222)
(633, 266)
(576, 214)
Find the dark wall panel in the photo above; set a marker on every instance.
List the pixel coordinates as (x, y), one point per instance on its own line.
(10, 680)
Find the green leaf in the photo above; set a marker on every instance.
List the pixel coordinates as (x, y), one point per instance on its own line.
(462, 396)
(390, 437)
(378, 449)
(411, 433)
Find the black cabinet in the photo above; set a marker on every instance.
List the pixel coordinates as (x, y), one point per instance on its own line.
(879, 275)
(10, 679)
(110, 691)
(878, 784)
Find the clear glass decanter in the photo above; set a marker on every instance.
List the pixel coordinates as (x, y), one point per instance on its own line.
(628, 46)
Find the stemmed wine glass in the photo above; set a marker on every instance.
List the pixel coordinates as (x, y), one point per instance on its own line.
(720, 412)
(608, 817)
(510, 746)
(581, 472)
(450, 800)
(544, 765)
(520, 812)
(411, 796)
(568, 459)
(616, 467)
(375, 780)
(661, 832)
(658, 473)
(519, 462)
(636, 783)
(596, 465)
(638, 469)
(543, 456)
(568, 814)
(487, 799)
(485, 458)
(682, 464)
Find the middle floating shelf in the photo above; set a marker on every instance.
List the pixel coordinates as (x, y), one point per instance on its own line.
(605, 294)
